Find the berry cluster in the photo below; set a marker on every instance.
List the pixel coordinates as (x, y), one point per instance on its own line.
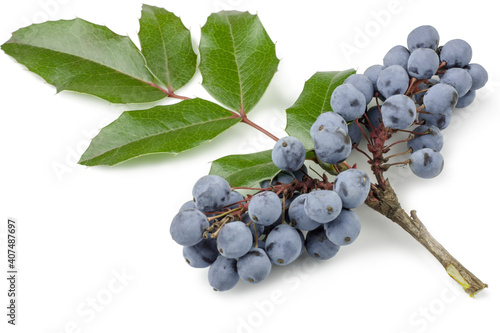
(241, 237)
(418, 85)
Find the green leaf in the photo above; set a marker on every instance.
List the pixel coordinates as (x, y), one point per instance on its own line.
(84, 57)
(314, 100)
(162, 129)
(166, 45)
(245, 170)
(237, 59)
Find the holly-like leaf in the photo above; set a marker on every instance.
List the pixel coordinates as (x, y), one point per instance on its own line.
(314, 100)
(84, 57)
(245, 170)
(162, 129)
(167, 47)
(237, 59)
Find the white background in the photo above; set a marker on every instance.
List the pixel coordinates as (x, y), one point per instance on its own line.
(80, 227)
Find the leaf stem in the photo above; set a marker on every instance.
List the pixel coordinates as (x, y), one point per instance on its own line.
(245, 120)
(173, 95)
(169, 92)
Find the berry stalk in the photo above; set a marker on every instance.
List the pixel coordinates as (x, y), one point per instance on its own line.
(385, 202)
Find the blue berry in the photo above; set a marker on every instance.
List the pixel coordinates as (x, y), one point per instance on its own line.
(298, 216)
(234, 240)
(265, 208)
(423, 36)
(302, 240)
(456, 53)
(283, 244)
(441, 121)
(322, 206)
(348, 101)
(329, 120)
(289, 154)
(211, 193)
(354, 133)
(398, 55)
(431, 137)
(222, 275)
(426, 163)
(418, 98)
(188, 205)
(299, 174)
(256, 229)
(373, 72)
(254, 266)
(466, 99)
(440, 99)
(332, 146)
(234, 199)
(188, 226)
(353, 186)
(393, 80)
(282, 177)
(398, 112)
(344, 229)
(374, 116)
(363, 84)
(479, 75)
(201, 255)
(459, 79)
(423, 63)
(319, 246)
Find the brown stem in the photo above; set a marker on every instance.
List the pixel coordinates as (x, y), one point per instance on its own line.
(174, 95)
(244, 119)
(386, 203)
(169, 92)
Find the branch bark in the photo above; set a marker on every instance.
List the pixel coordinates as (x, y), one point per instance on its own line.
(385, 201)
